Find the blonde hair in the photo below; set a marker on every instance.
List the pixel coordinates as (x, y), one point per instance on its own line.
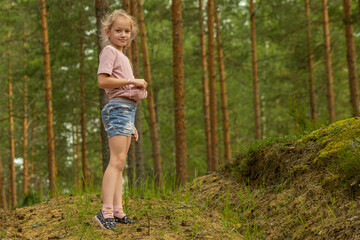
(108, 21)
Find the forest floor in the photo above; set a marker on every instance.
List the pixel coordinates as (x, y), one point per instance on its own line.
(303, 188)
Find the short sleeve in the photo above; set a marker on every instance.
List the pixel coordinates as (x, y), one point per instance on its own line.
(106, 60)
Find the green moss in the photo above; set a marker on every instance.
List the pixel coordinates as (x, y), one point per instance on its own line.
(300, 168)
(331, 152)
(334, 138)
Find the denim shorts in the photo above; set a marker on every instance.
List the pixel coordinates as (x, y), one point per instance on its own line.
(118, 117)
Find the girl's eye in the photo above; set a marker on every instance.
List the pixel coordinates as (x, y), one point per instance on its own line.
(127, 31)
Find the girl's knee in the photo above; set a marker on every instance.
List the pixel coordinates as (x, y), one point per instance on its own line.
(118, 162)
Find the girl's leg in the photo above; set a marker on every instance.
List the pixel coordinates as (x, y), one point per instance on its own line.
(118, 190)
(118, 146)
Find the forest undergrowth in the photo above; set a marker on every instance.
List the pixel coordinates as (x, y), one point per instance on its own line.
(306, 187)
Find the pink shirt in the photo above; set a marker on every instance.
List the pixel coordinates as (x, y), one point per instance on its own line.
(117, 65)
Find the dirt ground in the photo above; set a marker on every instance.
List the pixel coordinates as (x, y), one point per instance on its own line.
(71, 217)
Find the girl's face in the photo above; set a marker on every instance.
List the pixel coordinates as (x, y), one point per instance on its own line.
(120, 32)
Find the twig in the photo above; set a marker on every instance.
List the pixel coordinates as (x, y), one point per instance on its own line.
(147, 214)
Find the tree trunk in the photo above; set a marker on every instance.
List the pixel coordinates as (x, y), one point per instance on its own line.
(32, 157)
(101, 8)
(139, 154)
(179, 93)
(3, 203)
(12, 176)
(126, 6)
(150, 99)
(351, 58)
(212, 86)
(48, 98)
(224, 104)
(82, 121)
(329, 70)
(25, 133)
(255, 73)
(310, 65)
(205, 87)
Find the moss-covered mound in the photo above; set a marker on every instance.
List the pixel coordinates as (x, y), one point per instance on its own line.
(329, 156)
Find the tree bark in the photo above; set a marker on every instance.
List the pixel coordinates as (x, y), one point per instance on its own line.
(33, 140)
(12, 176)
(224, 104)
(179, 93)
(255, 73)
(351, 58)
(101, 8)
(25, 132)
(82, 112)
(139, 154)
(3, 203)
(48, 98)
(205, 87)
(329, 70)
(150, 99)
(212, 86)
(310, 64)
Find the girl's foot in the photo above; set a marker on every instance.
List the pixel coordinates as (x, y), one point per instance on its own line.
(107, 223)
(124, 220)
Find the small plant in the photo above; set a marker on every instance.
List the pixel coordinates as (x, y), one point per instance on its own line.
(31, 198)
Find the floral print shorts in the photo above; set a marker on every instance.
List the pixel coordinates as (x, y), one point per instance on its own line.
(118, 117)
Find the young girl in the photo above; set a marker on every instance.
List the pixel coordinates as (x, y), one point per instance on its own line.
(116, 77)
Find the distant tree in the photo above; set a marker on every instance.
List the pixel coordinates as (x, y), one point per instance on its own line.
(224, 104)
(179, 92)
(101, 8)
(12, 176)
(329, 70)
(48, 98)
(205, 87)
(82, 110)
(351, 58)
(255, 73)
(310, 64)
(139, 153)
(25, 129)
(212, 86)
(150, 99)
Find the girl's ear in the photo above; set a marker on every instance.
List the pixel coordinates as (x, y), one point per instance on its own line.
(107, 31)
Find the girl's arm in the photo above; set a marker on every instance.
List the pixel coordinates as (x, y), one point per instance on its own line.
(105, 81)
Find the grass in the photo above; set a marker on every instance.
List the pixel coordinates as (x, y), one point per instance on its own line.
(145, 203)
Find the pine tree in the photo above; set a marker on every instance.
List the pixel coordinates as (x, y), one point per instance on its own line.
(48, 98)
(255, 73)
(150, 99)
(351, 58)
(101, 8)
(212, 86)
(205, 87)
(179, 93)
(224, 104)
(329, 70)
(310, 64)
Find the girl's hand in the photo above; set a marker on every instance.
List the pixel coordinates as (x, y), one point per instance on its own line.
(135, 135)
(141, 83)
